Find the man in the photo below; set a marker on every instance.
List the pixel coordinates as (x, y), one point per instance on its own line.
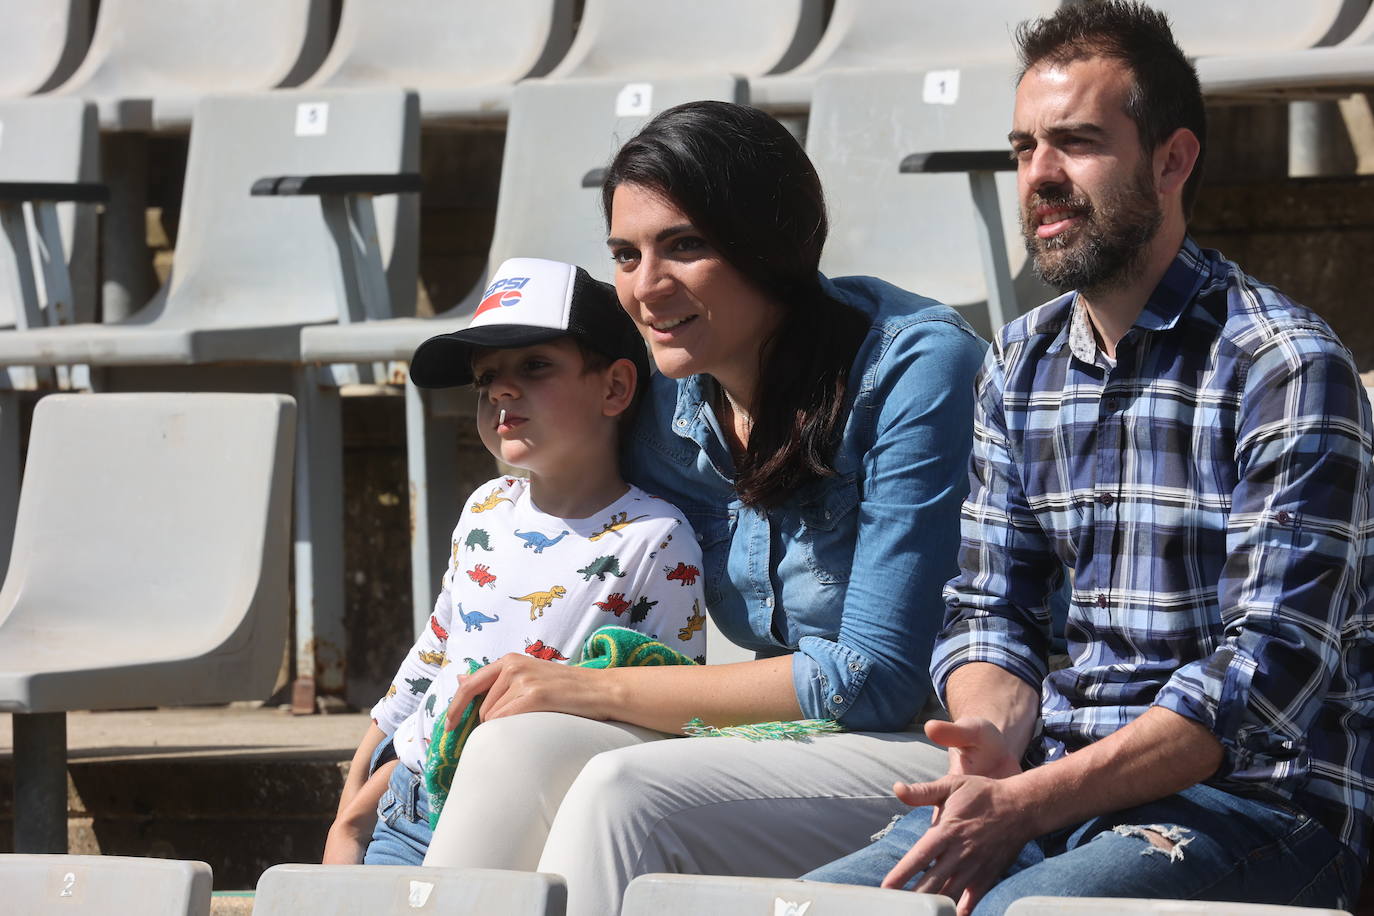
(1192, 449)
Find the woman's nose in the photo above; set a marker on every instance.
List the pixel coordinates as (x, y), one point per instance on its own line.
(653, 281)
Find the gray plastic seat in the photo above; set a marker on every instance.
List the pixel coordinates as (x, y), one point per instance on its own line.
(681, 895)
(1053, 906)
(922, 232)
(41, 44)
(900, 34)
(104, 885)
(149, 568)
(1258, 26)
(150, 60)
(631, 39)
(1318, 71)
(548, 206)
(388, 890)
(462, 56)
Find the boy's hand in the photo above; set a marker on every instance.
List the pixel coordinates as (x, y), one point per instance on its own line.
(516, 683)
(351, 831)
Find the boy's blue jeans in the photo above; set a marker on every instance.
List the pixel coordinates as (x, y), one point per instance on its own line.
(402, 834)
(1226, 848)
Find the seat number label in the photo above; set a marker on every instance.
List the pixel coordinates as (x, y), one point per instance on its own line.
(312, 119)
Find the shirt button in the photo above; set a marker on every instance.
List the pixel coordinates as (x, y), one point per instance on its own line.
(681, 424)
(827, 514)
(768, 602)
(1106, 499)
(1101, 600)
(1111, 404)
(837, 700)
(1284, 517)
(854, 666)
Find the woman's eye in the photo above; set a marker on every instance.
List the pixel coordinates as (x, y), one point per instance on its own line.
(688, 243)
(624, 255)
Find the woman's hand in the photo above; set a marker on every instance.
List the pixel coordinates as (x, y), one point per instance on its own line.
(516, 683)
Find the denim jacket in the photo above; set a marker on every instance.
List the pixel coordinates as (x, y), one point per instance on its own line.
(846, 575)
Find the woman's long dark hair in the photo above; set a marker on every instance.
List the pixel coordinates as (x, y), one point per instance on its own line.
(748, 187)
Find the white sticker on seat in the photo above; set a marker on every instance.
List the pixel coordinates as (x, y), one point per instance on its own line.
(636, 99)
(419, 894)
(312, 119)
(941, 87)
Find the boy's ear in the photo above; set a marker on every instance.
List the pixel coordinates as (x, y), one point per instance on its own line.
(622, 379)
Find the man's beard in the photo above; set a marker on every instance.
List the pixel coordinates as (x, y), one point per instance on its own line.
(1107, 249)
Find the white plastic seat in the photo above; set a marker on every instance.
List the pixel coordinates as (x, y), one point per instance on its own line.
(922, 232)
(900, 34)
(463, 57)
(104, 885)
(1318, 72)
(548, 206)
(41, 44)
(689, 895)
(1053, 906)
(388, 890)
(1258, 26)
(149, 568)
(150, 60)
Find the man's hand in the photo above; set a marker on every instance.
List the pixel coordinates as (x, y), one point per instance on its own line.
(982, 827)
(976, 747)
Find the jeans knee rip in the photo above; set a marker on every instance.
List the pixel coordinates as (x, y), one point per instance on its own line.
(886, 830)
(1176, 837)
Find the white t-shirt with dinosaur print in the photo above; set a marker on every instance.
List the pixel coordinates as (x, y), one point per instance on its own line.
(520, 580)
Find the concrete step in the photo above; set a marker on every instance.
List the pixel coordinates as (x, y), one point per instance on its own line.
(240, 788)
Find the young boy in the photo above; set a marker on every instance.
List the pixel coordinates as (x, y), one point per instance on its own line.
(537, 564)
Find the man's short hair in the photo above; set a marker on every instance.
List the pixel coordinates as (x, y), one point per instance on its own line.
(1165, 95)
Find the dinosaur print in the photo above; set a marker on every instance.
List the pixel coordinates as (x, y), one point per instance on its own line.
(390, 692)
(699, 659)
(494, 498)
(547, 653)
(433, 658)
(418, 685)
(601, 567)
(429, 704)
(482, 575)
(614, 603)
(473, 661)
(439, 631)
(694, 623)
(539, 541)
(683, 574)
(475, 620)
(641, 609)
(614, 526)
(541, 600)
(478, 537)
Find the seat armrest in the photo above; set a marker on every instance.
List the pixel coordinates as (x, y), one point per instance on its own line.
(320, 185)
(77, 191)
(995, 160)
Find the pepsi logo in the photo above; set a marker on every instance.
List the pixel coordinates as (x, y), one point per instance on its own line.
(502, 294)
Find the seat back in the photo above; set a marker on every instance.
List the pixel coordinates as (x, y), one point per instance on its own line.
(1053, 906)
(41, 43)
(57, 140)
(917, 231)
(244, 261)
(442, 46)
(150, 552)
(632, 39)
(1244, 26)
(151, 49)
(671, 895)
(559, 130)
(104, 885)
(388, 890)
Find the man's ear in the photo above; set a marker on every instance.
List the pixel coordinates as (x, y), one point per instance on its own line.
(622, 378)
(1174, 160)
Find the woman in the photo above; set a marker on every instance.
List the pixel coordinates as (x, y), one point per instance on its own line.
(816, 434)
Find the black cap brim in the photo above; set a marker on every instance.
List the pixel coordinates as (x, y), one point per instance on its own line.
(446, 361)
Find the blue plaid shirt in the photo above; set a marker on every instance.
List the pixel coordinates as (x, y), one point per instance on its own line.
(1208, 495)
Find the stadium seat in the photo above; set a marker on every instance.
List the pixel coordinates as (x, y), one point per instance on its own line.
(681, 895)
(150, 60)
(1315, 72)
(463, 58)
(1054, 906)
(252, 269)
(935, 233)
(899, 34)
(104, 885)
(548, 206)
(388, 890)
(1259, 26)
(41, 44)
(149, 568)
(629, 39)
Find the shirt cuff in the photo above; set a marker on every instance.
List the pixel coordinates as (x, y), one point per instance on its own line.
(827, 677)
